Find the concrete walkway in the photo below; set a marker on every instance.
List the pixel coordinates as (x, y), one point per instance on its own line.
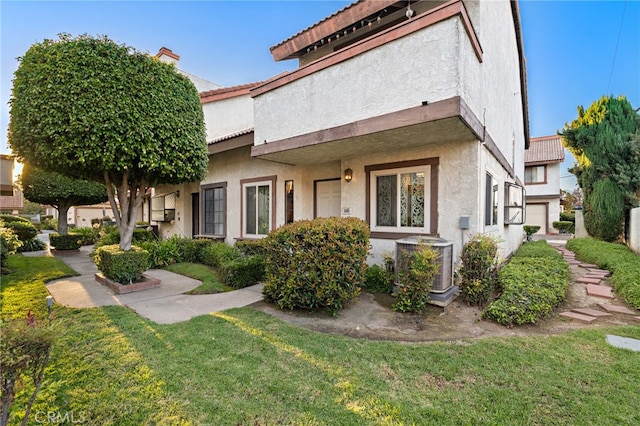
(166, 304)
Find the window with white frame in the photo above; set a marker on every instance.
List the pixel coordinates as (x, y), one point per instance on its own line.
(257, 207)
(491, 201)
(514, 213)
(400, 199)
(535, 174)
(214, 206)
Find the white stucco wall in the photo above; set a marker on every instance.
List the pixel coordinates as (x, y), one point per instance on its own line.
(422, 66)
(228, 116)
(634, 230)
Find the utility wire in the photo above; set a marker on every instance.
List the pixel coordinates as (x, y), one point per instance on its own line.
(615, 52)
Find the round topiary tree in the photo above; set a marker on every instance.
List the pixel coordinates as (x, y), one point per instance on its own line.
(59, 191)
(92, 109)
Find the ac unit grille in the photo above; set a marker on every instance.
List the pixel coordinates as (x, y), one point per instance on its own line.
(444, 278)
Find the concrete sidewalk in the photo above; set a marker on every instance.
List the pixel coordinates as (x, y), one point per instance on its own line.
(166, 304)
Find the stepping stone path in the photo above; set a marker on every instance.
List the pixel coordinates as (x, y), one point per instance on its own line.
(593, 279)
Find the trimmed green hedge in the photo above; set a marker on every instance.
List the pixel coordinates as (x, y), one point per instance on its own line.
(124, 267)
(65, 242)
(24, 230)
(534, 282)
(316, 264)
(243, 271)
(617, 258)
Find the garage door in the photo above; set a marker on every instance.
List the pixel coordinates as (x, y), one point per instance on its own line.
(537, 215)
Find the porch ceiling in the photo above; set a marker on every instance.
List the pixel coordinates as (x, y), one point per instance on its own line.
(442, 122)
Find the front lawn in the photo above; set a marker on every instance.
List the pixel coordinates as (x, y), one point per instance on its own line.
(239, 367)
(211, 282)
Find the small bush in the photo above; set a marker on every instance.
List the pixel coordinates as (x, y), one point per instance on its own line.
(316, 264)
(65, 242)
(216, 254)
(564, 226)
(568, 217)
(49, 224)
(617, 258)
(251, 247)
(33, 244)
(88, 235)
(478, 269)
(122, 266)
(534, 282)
(111, 235)
(173, 250)
(24, 230)
(416, 272)
(378, 280)
(243, 271)
(530, 230)
(9, 243)
(7, 218)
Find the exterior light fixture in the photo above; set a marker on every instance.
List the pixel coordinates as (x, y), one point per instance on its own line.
(348, 175)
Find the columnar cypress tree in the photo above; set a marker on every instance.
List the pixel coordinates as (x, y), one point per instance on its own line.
(605, 140)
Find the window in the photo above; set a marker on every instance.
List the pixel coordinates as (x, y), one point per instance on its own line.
(163, 208)
(535, 174)
(400, 199)
(513, 204)
(491, 201)
(257, 207)
(214, 209)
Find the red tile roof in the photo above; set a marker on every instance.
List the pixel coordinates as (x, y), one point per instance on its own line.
(227, 92)
(544, 150)
(231, 136)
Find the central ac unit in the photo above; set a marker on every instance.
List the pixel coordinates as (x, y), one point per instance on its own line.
(444, 279)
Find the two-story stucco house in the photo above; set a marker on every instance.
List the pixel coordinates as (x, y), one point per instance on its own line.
(542, 181)
(411, 117)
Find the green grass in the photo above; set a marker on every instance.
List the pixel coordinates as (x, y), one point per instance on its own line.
(211, 282)
(242, 366)
(617, 258)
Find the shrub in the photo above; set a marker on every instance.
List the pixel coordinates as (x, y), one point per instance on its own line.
(172, 250)
(568, 217)
(88, 235)
(7, 218)
(243, 271)
(477, 272)
(416, 272)
(9, 243)
(537, 249)
(33, 244)
(378, 280)
(49, 224)
(111, 235)
(65, 242)
(316, 263)
(617, 258)
(216, 254)
(25, 350)
(24, 230)
(122, 266)
(564, 226)
(604, 211)
(534, 282)
(530, 230)
(251, 247)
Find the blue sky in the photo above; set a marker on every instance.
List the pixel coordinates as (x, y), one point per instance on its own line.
(577, 51)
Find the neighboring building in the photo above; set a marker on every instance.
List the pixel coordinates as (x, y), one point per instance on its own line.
(10, 196)
(542, 182)
(413, 119)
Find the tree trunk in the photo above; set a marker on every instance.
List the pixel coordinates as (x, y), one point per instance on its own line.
(130, 196)
(63, 226)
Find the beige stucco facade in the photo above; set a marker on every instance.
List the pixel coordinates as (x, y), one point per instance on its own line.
(441, 90)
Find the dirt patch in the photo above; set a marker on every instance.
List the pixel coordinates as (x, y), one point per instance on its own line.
(371, 317)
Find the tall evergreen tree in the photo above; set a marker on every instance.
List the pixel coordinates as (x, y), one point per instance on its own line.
(605, 140)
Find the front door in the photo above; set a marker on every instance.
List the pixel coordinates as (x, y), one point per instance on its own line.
(327, 198)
